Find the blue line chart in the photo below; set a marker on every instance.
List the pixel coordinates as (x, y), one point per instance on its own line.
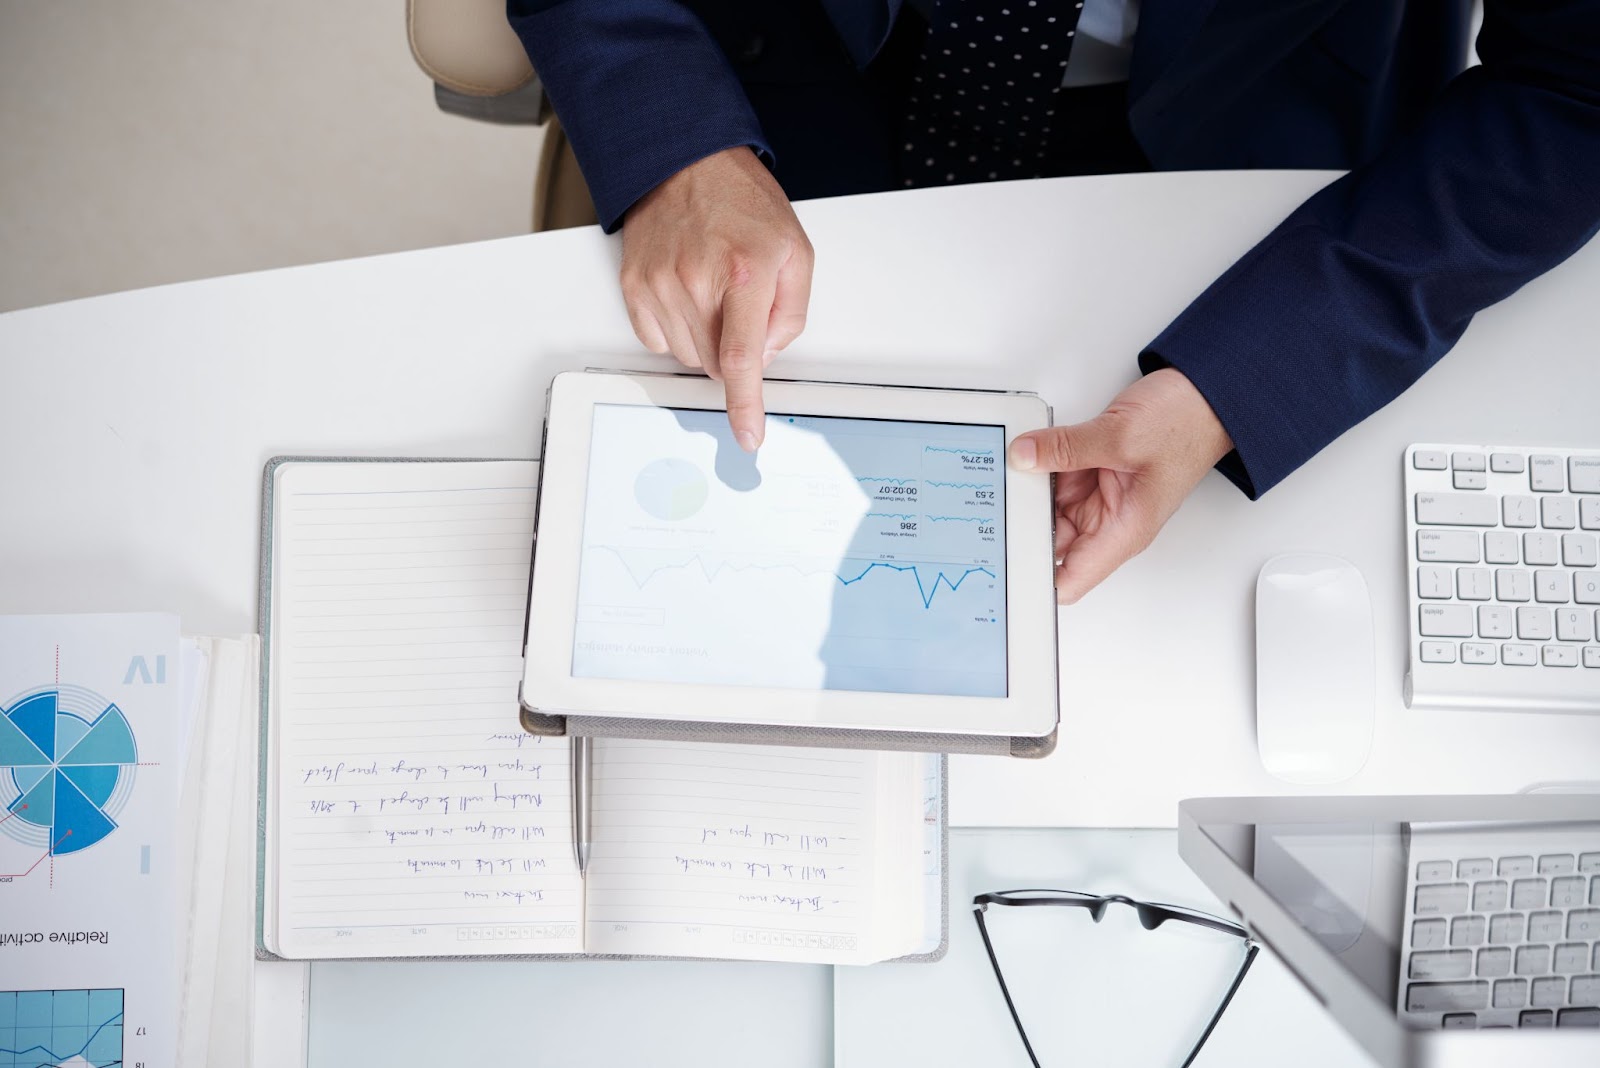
(892, 515)
(890, 481)
(961, 485)
(959, 518)
(60, 1057)
(958, 452)
(926, 591)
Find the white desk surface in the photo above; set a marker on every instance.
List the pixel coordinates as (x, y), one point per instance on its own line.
(136, 425)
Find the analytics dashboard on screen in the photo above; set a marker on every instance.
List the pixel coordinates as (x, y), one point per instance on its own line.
(846, 554)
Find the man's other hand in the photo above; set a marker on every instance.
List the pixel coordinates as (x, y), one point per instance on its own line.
(717, 271)
(1121, 475)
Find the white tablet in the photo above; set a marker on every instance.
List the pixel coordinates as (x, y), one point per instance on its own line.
(874, 566)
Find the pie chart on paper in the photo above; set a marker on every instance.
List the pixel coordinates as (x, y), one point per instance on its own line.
(67, 761)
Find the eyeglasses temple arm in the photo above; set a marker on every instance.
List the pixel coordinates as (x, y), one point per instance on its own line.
(1249, 958)
(994, 962)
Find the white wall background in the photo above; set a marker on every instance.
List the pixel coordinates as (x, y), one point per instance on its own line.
(152, 141)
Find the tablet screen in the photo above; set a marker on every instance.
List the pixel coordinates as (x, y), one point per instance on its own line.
(848, 554)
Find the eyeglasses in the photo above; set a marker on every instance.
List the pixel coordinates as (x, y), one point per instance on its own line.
(1151, 916)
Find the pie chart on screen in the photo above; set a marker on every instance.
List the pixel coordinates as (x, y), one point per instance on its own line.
(671, 489)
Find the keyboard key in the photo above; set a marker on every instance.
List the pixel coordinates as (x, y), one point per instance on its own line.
(1549, 992)
(1560, 656)
(1457, 510)
(1479, 653)
(1570, 958)
(1437, 653)
(1448, 964)
(1494, 621)
(1489, 896)
(1427, 934)
(1585, 989)
(1574, 625)
(1547, 474)
(1558, 513)
(1591, 659)
(1541, 550)
(1434, 583)
(1430, 460)
(1452, 620)
(1568, 891)
(1509, 993)
(1441, 899)
(1589, 863)
(1469, 480)
(1552, 587)
(1586, 587)
(1468, 461)
(1482, 868)
(1589, 513)
(1584, 924)
(1469, 931)
(1519, 655)
(1545, 927)
(1583, 474)
(1594, 890)
(1530, 894)
(1557, 864)
(1448, 546)
(1494, 961)
(1519, 511)
(1500, 547)
(1533, 624)
(1515, 867)
(1444, 997)
(1578, 1018)
(1434, 871)
(1513, 584)
(1536, 1018)
(1577, 550)
(1533, 960)
(1473, 584)
(1459, 1021)
(1507, 463)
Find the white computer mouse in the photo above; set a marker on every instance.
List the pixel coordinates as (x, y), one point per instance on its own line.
(1315, 677)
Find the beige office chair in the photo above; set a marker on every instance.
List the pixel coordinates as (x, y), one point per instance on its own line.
(480, 71)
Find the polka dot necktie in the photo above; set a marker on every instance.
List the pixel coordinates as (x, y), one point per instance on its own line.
(984, 90)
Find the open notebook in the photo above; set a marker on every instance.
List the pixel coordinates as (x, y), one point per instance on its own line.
(406, 814)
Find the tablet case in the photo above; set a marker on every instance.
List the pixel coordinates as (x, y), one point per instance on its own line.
(535, 721)
(560, 725)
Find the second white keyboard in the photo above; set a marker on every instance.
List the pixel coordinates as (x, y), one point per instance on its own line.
(1504, 550)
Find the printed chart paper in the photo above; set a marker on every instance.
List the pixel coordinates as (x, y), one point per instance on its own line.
(90, 772)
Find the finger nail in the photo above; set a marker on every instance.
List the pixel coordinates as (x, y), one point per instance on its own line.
(1024, 454)
(747, 441)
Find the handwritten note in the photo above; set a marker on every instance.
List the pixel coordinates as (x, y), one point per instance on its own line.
(413, 816)
(739, 851)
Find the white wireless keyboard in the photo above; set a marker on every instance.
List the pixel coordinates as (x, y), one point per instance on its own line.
(1505, 588)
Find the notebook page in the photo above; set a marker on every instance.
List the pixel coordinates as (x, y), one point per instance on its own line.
(413, 816)
(738, 851)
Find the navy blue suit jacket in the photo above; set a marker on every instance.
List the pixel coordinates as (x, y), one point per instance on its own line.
(1464, 183)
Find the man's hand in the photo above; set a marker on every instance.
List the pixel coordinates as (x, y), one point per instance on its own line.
(716, 270)
(1121, 475)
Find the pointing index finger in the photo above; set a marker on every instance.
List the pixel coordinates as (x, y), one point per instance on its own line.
(745, 310)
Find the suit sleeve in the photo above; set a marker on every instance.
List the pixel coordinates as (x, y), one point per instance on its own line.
(1372, 280)
(640, 87)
